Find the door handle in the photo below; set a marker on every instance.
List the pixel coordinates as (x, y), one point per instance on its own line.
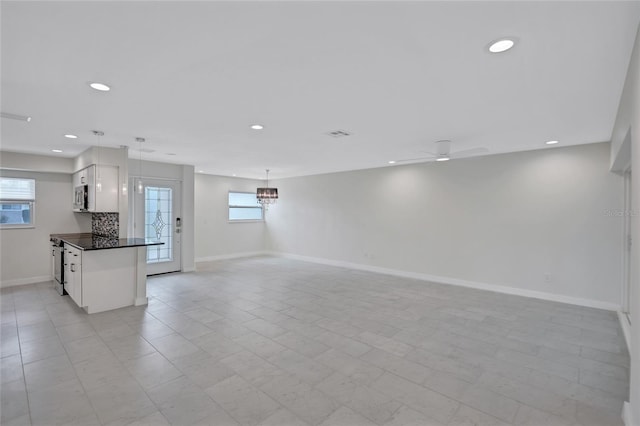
(73, 267)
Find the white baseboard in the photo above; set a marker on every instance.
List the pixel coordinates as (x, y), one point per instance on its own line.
(231, 256)
(627, 416)
(459, 282)
(25, 281)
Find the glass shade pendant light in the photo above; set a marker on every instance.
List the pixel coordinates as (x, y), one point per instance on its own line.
(267, 195)
(99, 134)
(139, 186)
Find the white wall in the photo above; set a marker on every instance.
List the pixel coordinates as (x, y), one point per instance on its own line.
(503, 220)
(25, 254)
(42, 163)
(627, 131)
(216, 237)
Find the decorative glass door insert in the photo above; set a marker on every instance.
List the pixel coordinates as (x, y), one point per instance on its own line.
(158, 223)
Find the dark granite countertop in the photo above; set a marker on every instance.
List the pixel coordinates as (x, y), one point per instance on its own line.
(97, 242)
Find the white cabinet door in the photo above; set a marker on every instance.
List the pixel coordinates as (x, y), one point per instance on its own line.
(106, 189)
(77, 179)
(73, 266)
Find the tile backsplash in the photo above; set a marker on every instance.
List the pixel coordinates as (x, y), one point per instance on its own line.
(105, 224)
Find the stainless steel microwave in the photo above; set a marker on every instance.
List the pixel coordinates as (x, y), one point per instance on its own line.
(81, 198)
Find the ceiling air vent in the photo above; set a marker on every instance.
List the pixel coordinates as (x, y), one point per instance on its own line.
(338, 133)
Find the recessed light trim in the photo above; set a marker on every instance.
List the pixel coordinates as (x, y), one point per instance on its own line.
(99, 86)
(70, 136)
(56, 150)
(501, 45)
(392, 162)
(443, 159)
(257, 126)
(552, 142)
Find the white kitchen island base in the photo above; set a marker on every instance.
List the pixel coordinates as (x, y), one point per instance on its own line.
(102, 280)
(113, 279)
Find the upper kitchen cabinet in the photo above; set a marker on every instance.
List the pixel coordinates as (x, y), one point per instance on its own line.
(96, 189)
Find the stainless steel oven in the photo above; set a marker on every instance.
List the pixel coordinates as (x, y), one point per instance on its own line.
(57, 251)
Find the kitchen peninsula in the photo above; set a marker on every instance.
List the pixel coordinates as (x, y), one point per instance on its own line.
(103, 273)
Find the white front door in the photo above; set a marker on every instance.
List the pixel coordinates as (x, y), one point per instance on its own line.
(156, 217)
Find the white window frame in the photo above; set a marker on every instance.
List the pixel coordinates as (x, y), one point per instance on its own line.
(230, 206)
(30, 201)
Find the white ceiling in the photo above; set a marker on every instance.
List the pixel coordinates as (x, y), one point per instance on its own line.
(191, 77)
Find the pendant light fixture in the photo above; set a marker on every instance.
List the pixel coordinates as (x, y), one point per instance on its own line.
(139, 185)
(267, 195)
(99, 134)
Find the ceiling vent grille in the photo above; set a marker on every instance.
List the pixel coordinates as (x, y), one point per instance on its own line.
(338, 133)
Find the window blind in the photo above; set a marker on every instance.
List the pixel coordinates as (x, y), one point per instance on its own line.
(17, 189)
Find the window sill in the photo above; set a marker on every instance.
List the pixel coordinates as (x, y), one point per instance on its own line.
(17, 227)
(246, 221)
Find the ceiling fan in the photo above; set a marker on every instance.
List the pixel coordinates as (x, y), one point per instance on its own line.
(443, 153)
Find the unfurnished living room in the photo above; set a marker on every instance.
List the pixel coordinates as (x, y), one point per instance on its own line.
(320, 213)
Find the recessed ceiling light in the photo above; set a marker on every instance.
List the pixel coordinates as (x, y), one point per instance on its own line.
(443, 159)
(501, 45)
(200, 171)
(171, 153)
(392, 162)
(56, 150)
(257, 126)
(234, 175)
(552, 142)
(70, 136)
(100, 86)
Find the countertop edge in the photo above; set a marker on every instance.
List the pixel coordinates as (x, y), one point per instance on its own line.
(109, 248)
(67, 239)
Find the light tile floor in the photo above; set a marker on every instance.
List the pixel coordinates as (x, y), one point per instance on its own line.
(270, 341)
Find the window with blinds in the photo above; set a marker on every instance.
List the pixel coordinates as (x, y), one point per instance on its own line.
(17, 202)
(244, 206)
